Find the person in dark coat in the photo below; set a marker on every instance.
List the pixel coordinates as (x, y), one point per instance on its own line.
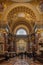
(6, 57)
(34, 53)
(21, 55)
(25, 53)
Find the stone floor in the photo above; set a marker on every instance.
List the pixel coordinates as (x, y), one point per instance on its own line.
(18, 61)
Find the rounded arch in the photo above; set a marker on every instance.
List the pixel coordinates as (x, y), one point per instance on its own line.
(21, 27)
(29, 6)
(22, 23)
(21, 31)
(23, 9)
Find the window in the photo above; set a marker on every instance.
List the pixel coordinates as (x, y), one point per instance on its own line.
(21, 32)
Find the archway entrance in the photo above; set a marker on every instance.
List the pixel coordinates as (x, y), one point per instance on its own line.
(21, 40)
(20, 20)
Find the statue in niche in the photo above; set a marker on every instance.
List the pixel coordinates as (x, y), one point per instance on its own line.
(1, 47)
(41, 6)
(1, 7)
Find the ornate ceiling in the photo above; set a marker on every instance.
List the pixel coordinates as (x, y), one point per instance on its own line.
(18, 0)
(21, 11)
(17, 11)
(19, 14)
(21, 0)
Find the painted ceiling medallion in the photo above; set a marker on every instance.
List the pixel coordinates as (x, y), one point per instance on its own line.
(21, 0)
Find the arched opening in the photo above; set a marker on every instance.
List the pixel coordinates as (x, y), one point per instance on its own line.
(21, 43)
(21, 32)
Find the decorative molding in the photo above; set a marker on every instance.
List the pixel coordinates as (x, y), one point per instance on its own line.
(19, 1)
(13, 15)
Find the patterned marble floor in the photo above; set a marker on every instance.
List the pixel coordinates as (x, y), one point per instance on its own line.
(18, 61)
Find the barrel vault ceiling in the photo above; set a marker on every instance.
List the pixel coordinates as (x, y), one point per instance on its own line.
(5, 6)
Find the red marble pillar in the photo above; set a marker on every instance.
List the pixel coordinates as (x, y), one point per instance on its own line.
(14, 44)
(28, 45)
(5, 42)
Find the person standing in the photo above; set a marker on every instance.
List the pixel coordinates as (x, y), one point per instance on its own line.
(34, 53)
(25, 53)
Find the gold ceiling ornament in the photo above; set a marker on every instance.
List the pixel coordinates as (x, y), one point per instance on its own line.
(24, 23)
(21, 0)
(20, 12)
(40, 7)
(22, 9)
(3, 30)
(17, 6)
(39, 31)
(21, 26)
(20, 15)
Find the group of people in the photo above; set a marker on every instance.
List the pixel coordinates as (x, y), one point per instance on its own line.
(21, 55)
(24, 54)
(29, 55)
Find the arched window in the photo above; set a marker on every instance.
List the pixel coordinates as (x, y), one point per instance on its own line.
(21, 32)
